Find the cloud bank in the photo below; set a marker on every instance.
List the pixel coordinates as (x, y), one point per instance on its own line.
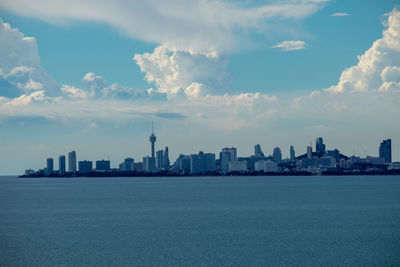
(195, 25)
(378, 67)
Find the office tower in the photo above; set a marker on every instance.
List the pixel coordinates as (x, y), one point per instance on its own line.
(159, 159)
(277, 155)
(292, 153)
(85, 166)
(102, 165)
(50, 165)
(166, 158)
(152, 141)
(61, 164)
(127, 165)
(258, 152)
(309, 152)
(320, 146)
(202, 162)
(385, 150)
(225, 156)
(149, 164)
(72, 161)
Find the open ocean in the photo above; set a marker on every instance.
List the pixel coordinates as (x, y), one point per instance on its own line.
(200, 221)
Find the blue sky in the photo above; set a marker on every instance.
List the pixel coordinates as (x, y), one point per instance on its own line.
(215, 78)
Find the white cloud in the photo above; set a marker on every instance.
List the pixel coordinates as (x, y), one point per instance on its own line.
(73, 92)
(290, 45)
(198, 25)
(378, 64)
(20, 66)
(194, 73)
(340, 14)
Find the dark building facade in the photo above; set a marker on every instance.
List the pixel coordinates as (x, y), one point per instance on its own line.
(385, 150)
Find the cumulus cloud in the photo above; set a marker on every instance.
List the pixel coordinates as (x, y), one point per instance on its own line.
(290, 45)
(378, 67)
(340, 14)
(20, 69)
(97, 88)
(198, 25)
(193, 73)
(73, 92)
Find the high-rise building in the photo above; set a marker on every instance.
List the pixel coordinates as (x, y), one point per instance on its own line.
(385, 150)
(166, 158)
(258, 152)
(85, 166)
(225, 156)
(61, 164)
(159, 159)
(72, 161)
(102, 165)
(292, 153)
(277, 154)
(309, 152)
(320, 146)
(202, 162)
(149, 164)
(127, 165)
(50, 165)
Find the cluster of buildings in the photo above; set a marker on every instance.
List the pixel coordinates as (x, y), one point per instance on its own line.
(315, 161)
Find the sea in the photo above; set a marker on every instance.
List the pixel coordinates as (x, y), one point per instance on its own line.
(200, 221)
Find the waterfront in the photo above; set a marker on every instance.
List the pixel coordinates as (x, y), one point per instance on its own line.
(200, 221)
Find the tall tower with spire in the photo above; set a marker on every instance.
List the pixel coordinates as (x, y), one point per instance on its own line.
(152, 140)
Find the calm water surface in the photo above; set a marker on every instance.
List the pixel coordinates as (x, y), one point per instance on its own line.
(200, 221)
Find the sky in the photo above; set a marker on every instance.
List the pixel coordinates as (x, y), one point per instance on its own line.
(91, 76)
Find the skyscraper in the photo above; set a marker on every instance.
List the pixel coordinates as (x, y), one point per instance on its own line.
(72, 161)
(309, 152)
(152, 141)
(320, 146)
(50, 165)
(385, 150)
(159, 158)
(227, 155)
(292, 153)
(166, 158)
(258, 152)
(277, 154)
(61, 164)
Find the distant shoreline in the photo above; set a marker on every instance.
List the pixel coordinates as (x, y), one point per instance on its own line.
(215, 174)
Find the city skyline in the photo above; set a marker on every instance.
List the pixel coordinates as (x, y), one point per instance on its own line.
(283, 74)
(205, 162)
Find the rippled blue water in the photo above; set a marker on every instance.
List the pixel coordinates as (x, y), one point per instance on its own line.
(200, 221)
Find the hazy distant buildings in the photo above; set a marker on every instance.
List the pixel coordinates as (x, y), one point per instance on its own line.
(72, 161)
(277, 154)
(292, 153)
(237, 166)
(320, 146)
(266, 166)
(103, 165)
(309, 152)
(127, 165)
(182, 164)
(85, 166)
(202, 162)
(385, 150)
(149, 164)
(61, 164)
(258, 152)
(227, 155)
(50, 165)
(162, 159)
